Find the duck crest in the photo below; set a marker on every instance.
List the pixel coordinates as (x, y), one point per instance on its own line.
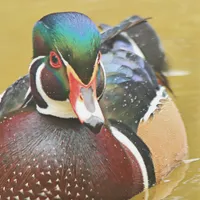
(74, 35)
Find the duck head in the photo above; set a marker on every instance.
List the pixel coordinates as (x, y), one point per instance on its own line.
(66, 75)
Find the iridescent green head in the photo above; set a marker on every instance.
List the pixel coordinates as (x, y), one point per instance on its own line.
(74, 35)
(66, 61)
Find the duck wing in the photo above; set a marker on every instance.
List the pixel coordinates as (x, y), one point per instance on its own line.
(111, 32)
(131, 87)
(13, 98)
(137, 35)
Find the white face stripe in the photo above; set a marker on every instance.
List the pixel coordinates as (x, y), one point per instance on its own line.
(154, 103)
(133, 149)
(34, 60)
(64, 61)
(60, 109)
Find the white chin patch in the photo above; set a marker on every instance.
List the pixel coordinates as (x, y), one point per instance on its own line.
(84, 114)
(62, 109)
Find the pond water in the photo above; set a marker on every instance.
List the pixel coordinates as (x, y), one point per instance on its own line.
(178, 24)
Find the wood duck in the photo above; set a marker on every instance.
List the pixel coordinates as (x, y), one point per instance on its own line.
(91, 120)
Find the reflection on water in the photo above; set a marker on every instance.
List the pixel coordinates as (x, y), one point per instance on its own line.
(178, 24)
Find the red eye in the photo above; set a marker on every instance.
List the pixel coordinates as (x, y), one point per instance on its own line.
(55, 61)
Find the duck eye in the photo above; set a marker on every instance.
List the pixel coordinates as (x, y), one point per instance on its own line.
(55, 61)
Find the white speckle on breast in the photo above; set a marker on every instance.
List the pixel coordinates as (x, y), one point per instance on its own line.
(31, 192)
(57, 180)
(42, 194)
(49, 192)
(38, 183)
(70, 173)
(49, 173)
(21, 191)
(57, 188)
(77, 195)
(57, 197)
(49, 181)
(26, 185)
(45, 190)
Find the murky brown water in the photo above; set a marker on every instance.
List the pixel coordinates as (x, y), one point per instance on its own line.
(178, 24)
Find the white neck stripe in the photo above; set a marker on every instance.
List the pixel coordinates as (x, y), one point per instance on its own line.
(56, 108)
